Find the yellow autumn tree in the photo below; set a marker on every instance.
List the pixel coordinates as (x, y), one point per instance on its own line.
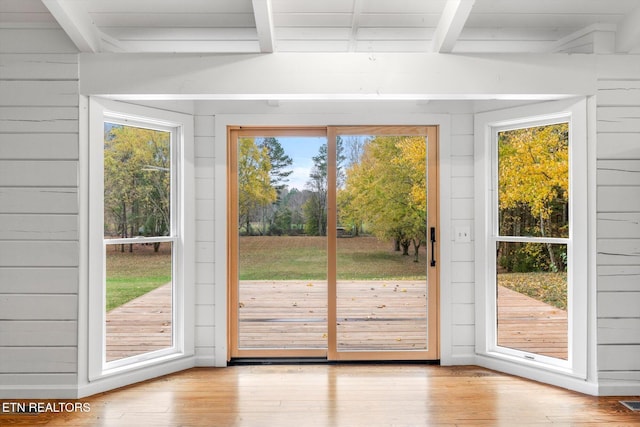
(533, 183)
(137, 181)
(254, 181)
(386, 189)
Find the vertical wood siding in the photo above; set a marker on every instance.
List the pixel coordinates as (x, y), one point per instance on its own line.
(618, 230)
(39, 247)
(205, 303)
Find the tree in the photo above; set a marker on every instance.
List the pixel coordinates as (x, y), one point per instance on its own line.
(354, 149)
(137, 182)
(387, 190)
(533, 187)
(316, 206)
(294, 200)
(254, 182)
(280, 164)
(280, 161)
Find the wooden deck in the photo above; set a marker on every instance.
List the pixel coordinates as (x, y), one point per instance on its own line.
(530, 325)
(141, 325)
(372, 315)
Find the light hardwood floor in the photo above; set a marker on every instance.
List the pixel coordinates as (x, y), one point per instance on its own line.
(340, 395)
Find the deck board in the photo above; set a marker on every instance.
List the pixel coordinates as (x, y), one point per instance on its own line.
(141, 325)
(371, 315)
(530, 325)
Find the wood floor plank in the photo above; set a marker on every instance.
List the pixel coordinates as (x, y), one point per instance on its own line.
(339, 395)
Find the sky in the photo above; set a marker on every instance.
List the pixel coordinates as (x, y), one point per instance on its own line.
(301, 150)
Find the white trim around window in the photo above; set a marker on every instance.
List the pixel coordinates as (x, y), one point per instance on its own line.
(487, 126)
(180, 236)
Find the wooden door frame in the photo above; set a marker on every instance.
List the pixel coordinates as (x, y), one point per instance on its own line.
(433, 279)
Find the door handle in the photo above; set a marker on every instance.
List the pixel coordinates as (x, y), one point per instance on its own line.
(432, 233)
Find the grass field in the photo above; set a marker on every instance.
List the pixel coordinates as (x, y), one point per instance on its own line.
(130, 275)
(304, 258)
(550, 288)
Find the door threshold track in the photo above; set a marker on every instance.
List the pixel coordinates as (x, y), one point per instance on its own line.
(246, 361)
(277, 361)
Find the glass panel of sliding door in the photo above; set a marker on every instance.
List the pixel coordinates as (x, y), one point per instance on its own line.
(281, 211)
(382, 238)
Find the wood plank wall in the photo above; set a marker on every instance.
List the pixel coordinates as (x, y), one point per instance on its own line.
(204, 134)
(39, 247)
(462, 254)
(618, 225)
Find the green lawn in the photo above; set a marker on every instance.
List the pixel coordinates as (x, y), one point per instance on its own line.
(550, 288)
(130, 275)
(304, 258)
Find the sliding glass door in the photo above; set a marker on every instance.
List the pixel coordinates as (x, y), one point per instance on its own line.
(332, 242)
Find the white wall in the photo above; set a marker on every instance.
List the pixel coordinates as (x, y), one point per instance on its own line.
(205, 238)
(39, 246)
(462, 328)
(618, 235)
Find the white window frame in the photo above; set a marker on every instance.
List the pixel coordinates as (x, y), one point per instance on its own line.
(487, 126)
(181, 237)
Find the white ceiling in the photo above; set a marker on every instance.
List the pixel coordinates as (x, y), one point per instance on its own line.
(254, 26)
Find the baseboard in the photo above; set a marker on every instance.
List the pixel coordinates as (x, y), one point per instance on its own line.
(619, 388)
(135, 376)
(539, 375)
(34, 391)
(205, 361)
(457, 360)
(52, 391)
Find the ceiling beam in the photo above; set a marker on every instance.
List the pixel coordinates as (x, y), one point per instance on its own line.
(628, 34)
(355, 24)
(391, 76)
(76, 22)
(264, 25)
(595, 38)
(452, 21)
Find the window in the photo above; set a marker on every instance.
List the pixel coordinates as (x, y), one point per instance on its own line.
(532, 211)
(140, 285)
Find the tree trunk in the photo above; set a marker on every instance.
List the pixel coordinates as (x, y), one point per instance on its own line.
(405, 247)
(416, 247)
(124, 224)
(552, 258)
(132, 234)
(264, 220)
